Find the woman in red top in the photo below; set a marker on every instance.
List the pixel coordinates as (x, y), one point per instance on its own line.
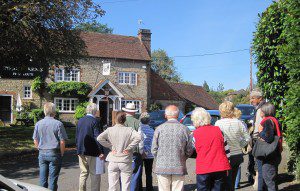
(212, 153)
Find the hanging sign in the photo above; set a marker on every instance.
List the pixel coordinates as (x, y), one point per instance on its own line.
(106, 69)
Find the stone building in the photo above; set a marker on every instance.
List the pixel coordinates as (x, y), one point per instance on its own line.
(117, 69)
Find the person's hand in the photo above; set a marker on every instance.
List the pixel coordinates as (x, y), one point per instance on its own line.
(114, 152)
(126, 152)
(101, 156)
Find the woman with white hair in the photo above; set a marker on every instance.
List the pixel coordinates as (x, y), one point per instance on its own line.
(237, 137)
(212, 162)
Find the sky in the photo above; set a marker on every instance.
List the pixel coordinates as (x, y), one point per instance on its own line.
(194, 27)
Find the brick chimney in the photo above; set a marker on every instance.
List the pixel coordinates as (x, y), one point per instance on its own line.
(145, 37)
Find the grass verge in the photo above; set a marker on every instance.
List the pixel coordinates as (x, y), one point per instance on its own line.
(16, 139)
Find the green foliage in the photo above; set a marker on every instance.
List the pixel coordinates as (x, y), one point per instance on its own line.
(164, 66)
(290, 54)
(94, 26)
(40, 32)
(80, 89)
(272, 73)
(155, 107)
(38, 84)
(276, 45)
(36, 115)
(80, 110)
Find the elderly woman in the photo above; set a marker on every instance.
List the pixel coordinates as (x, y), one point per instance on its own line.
(122, 141)
(268, 129)
(147, 133)
(237, 137)
(212, 162)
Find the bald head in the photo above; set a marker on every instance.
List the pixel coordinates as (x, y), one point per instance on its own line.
(171, 112)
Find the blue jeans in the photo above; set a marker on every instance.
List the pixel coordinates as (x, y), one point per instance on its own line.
(136, 178)
(215, 181)
(238, 178)
(50, 164)
(260, 182)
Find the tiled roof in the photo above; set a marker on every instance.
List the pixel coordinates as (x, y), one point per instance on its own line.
(114, 46)
(161, 90)
(195, 94)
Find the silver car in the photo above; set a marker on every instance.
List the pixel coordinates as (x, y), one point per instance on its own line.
(15, 185)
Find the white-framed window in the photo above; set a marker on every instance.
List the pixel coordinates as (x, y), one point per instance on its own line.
(27, 93)
(66, 104)
(64, 74)
(128, 78)
(137, 103)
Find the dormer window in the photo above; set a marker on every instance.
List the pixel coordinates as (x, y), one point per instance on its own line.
(64, 74)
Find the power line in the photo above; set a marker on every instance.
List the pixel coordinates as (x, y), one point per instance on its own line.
(206, 54)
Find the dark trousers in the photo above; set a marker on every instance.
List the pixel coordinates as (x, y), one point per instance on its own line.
(148, 171)
(250, 168)
(267, 173)
(215, 181)
(136, 178)
(235, 162)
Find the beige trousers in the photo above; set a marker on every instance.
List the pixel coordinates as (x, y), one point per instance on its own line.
(115, 170)
(87, 166)
(170, 182)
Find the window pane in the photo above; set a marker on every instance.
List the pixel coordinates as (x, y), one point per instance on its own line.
(126, 78)
(67, 75)
(133, 78)
(75, 75)
(66, 105)
(58, 103)
(121, 80)
(73, 104)
(58, 74)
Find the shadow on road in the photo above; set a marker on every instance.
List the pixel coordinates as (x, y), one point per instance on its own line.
(26, 166)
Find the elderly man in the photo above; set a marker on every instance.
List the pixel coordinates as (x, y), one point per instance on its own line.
(49, 137)
(257, 100)
(171, 146)
(137, 164)
(88, 148)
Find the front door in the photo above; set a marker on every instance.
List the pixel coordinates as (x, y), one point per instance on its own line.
(5, 108)
(103, 108)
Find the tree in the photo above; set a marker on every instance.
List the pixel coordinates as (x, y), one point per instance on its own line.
(94, 27)
(164, 66)
(40, 33)
(220, 87)
(206, 86)
(276, 46)
(272, 73)
(289, 53)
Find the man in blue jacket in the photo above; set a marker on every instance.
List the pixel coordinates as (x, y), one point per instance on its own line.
(88, 148)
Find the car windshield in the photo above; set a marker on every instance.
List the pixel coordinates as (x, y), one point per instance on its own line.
(246, 110)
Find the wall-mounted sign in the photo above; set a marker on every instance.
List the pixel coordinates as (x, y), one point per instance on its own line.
(106, 68)
(20, 72)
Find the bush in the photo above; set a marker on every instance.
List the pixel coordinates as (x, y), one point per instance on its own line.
(80, 110)
(155, 107)
(81, 89)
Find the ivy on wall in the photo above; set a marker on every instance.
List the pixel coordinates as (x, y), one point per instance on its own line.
(80, 89)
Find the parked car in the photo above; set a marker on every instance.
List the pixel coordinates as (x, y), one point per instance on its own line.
(15, 185)
(247, 113)
(158, 117)
(186, 120)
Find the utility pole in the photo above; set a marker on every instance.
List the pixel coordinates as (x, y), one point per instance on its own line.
(251, 85)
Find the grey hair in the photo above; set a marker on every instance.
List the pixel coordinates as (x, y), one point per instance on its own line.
(145, 118)
(200, 117)
(49, 109)
(256, 93)
(91, 108)
(268, 109)
(172, 113)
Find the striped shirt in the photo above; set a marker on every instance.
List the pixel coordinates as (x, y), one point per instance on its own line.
(235, 133)
(147, 133)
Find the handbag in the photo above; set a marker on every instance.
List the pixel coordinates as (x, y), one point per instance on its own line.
(263, 149)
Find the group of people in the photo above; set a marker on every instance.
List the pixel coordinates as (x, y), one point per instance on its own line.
(132, 144)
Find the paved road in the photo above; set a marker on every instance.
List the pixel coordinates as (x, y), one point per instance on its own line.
(26, 169)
